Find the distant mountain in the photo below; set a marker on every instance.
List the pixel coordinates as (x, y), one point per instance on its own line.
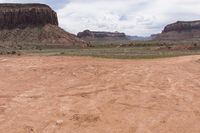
(91, 35)
(115, 36)
(139, 38)
(181, 30)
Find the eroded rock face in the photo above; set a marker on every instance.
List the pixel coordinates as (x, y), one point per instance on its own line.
(23, 15)
(182, 26)
(181, 30)
(29, 25)
(96, 34)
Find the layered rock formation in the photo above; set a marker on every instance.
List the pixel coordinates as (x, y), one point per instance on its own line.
(98, 34)
(23, 15)
(181, 30)
(182, 26)
(32, 24)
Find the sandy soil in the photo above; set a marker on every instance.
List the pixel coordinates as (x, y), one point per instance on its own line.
(91, 95)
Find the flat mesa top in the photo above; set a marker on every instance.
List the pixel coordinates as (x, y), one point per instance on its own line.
(20, 5)
(196, 21)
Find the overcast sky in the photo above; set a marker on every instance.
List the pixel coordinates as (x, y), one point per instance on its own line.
(134, 17)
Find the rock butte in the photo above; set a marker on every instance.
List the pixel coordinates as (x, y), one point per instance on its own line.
(23, 15)
(182, 26)
(98, 34)
(32, 24)
(181, 30)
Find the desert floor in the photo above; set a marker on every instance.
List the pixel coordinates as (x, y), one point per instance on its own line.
(60, 94)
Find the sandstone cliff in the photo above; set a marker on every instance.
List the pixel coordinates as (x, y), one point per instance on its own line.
(23, 15)
(97, 34)
(23, 24)
(182, 26)
(181, 30)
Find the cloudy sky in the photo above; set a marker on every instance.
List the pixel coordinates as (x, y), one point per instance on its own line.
(134, 17)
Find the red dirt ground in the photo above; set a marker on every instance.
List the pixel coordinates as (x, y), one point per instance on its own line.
(92, 95)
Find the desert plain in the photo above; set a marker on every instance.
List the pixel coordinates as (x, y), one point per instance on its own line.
(63, 94)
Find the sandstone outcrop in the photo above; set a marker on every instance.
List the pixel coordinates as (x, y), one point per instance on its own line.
(34, 24)
(182, 26)
(181, 30)
(98, 34)
(23, 15)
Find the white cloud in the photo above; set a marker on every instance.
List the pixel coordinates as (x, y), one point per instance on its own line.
(101, 15)
(141, 17)
(134, 17)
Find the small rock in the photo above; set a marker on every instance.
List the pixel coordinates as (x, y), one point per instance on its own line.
(59, 122)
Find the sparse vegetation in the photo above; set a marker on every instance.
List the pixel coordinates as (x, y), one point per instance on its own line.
(116, 52)
(9, 52)
(62, 53)
(125, 50)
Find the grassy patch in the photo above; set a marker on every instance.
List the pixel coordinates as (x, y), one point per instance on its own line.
(114, 52)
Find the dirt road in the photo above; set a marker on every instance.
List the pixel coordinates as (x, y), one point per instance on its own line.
(91, 95)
